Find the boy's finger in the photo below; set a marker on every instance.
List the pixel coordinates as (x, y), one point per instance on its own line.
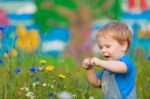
(91, 62)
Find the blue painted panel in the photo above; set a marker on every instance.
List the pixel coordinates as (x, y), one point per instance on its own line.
(144, 15)
(57, 34)
(19, 17)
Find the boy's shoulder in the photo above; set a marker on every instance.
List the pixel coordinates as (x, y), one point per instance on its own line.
(125, 59)
(128, 62)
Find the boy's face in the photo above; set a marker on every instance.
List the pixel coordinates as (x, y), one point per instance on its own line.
(110, 48)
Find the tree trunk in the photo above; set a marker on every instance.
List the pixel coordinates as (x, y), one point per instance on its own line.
(80, 44)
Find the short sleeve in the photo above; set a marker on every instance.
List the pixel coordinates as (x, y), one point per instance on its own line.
(128, 65)
(127, 62)
(99, 74)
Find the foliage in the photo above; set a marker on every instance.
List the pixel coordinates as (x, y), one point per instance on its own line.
(143, 78)
(27, 41)
(38, 77)
(61, 13)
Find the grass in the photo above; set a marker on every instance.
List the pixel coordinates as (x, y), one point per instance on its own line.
(43, 84)
(46, 84)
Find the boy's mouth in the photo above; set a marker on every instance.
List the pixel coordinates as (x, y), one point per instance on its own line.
(107, 57)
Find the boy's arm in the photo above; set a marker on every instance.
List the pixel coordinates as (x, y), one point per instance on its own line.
(92, 78)
(90, 73)
(114, 66)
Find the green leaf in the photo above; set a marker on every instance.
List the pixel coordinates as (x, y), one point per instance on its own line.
(49, 19)
(70, 4)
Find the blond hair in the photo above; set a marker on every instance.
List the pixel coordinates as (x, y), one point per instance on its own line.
(116, 30)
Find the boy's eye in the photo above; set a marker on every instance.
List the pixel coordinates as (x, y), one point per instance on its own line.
(100, 46)
(107, 46)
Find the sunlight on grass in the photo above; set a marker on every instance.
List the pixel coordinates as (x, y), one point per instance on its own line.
(38, 77)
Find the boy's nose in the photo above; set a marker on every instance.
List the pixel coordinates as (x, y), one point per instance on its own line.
(102, 51)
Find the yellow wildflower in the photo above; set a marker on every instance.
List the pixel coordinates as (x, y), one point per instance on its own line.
(27, 40)
(21, 31)
(33, 35)
(6, 55)
(13, 53)
(21, 93)
(42, 62)
(49, 68)
(41, 68)
(61, 76)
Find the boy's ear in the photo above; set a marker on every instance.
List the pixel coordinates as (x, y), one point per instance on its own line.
(124, 46)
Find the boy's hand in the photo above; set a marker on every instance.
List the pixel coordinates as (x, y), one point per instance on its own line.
(86, 63)
(95, 61)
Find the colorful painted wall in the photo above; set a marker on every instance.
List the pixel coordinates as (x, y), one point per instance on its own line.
(19, 30)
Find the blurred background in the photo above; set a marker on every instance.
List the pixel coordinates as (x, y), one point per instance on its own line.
(59, 27)
(43, 43)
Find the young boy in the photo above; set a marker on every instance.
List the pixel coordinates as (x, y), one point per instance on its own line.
(117, 76)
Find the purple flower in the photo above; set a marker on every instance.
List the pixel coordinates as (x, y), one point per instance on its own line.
(148, 58)
(50, 94)
(2, 27)
(85, 87)
(36, 78)
(1, 62)
(7, 51)
(34, 69)
(86, 46)
(18, 70)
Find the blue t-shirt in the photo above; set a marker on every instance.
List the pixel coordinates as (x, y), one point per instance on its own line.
(124, 81)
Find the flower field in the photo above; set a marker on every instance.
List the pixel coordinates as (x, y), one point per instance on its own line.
(37, 77)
